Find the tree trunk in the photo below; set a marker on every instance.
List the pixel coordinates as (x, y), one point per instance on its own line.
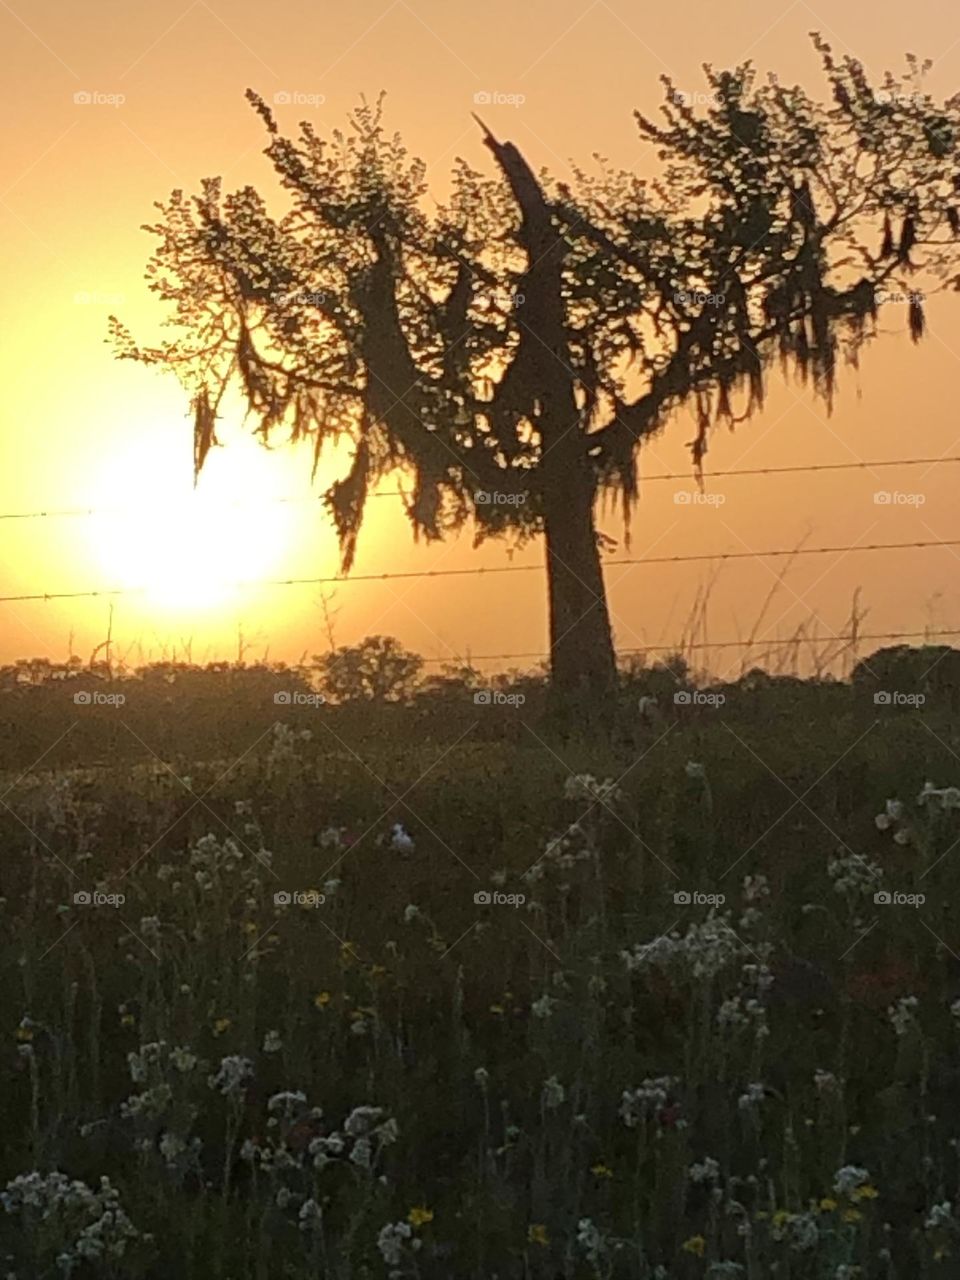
(582, 660)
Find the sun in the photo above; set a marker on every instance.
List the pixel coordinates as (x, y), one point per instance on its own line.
(190, 550)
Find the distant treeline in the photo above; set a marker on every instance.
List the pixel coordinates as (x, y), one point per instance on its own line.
(75, 713)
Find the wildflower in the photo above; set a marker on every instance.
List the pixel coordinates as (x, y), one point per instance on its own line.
(419, 1216)
(272, 1042)
(553, 1094)
(852, 1215)
(827, 1204)
(695, 1245)
(537, 1234)
(310, 1215)
(183, 1059)
(708, 1171)
(866, 1192)
(584, 786)
(601, 1170)
(752, 1098)
(232, 1076)
(940, 1215)
(847, 1179)
(497, 1009)
(321, 999)
(651, 1096)
(901, 1014)
(400, 840)
(590, 1240)
(221, 1025)
(390, 1241)
(24, 1033)
(544, 1007)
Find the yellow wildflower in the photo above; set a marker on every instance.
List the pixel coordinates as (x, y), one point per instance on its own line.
(24, 1034)
(601, 1170)
(781, 1218)
(221, 1025)
(496, 1008)
(321, 999)
(827, 1205)
(866, 1192)
(852, 1215)
(127, 1020)
(696, 1244)
(537, 1234)
(419, 1215)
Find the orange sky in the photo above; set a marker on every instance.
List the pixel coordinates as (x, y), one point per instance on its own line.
(80, 430)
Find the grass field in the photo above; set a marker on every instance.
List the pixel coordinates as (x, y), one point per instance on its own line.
(699, 1046)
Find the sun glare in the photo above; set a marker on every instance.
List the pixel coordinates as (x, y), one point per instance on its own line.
(190, 550)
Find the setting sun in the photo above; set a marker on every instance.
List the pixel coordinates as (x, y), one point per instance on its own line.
(189, 549)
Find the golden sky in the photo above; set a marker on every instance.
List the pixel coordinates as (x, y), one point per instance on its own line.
(80, 430)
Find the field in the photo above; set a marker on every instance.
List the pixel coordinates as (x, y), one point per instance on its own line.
(679, 1035)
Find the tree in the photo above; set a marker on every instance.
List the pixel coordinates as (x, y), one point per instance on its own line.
(511, 351)
(378, 669)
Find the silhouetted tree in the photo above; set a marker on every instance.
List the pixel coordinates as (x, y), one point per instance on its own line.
(511, 351)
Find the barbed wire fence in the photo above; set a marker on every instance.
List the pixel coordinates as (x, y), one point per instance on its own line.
(759, 644)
